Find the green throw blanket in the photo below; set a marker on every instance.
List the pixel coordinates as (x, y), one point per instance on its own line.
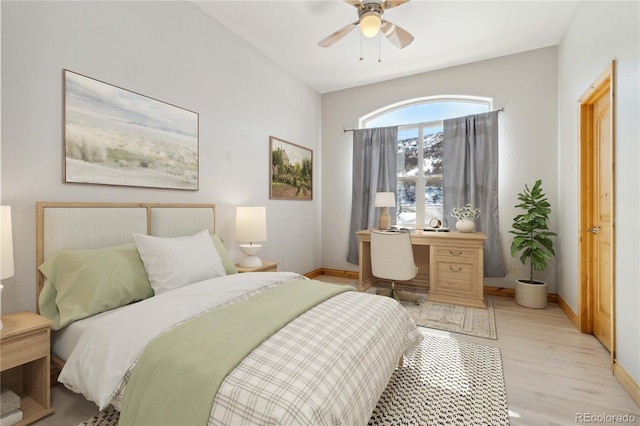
(178, 375)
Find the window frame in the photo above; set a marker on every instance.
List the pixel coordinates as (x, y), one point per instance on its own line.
(421, 208)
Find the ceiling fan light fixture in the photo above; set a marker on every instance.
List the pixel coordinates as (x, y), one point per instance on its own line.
(370, 23)
(370, 14)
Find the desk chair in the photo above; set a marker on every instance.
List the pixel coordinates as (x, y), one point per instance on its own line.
(392, 259)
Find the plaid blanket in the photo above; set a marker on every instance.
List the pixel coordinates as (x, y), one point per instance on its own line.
(328, 366)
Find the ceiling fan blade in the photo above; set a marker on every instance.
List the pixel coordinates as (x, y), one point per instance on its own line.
(338, 35)
(388, 4)
(355, 3)
(396, 35)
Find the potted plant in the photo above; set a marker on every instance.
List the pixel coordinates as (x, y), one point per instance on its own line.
(532, 243)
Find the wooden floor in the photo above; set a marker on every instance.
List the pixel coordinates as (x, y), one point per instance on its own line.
(553, 373)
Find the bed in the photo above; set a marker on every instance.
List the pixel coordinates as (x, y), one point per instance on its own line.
(150, 316)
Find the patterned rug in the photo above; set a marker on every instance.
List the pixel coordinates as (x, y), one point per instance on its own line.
(457, 319)
(446, 382)
(107, 417)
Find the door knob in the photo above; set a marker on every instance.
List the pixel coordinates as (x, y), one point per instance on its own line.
(593, 230)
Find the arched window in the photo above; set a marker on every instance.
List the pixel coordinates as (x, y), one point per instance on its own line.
(419, 191)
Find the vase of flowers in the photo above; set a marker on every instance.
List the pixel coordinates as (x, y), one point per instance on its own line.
(465, 216)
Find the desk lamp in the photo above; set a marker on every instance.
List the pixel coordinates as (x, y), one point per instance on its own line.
(384, 200)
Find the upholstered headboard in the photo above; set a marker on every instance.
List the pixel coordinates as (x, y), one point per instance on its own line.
(75, 226)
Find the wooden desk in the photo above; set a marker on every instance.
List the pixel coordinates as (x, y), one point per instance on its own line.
(450, 266)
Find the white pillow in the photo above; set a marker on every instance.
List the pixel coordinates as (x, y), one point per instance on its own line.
(175, 262)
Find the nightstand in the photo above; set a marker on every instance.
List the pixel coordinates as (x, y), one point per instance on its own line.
(267, 266)
(24, 362)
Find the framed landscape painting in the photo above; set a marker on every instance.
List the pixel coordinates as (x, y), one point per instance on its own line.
(291, 171)
(113, 136)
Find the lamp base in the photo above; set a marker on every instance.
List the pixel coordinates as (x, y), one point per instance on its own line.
(251, 262)
(384, 221)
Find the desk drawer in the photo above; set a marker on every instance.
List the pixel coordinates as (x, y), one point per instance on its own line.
(24, 348)
(453, 254)
(455, 277)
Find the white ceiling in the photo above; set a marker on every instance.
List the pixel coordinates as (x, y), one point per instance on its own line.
(447, 33)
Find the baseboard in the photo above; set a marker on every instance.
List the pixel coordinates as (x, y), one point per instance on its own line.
(510, 292)
(313, 274)
(488, 290)
(564, 307)
(499, 291)
(333, 273)
(624, 378)
(340, 273)
(627, 382)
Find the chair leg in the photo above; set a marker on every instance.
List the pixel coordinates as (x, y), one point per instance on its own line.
(394, 294)
(408, 297)
(384, 292)
(399, 295)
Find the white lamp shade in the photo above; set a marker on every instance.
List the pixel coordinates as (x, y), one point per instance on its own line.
(370, 24)
(251, 224)
(6, 249)
(385, 199)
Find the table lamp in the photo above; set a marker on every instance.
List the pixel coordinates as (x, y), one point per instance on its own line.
(251, 226)
(384, 200)
(6, 248)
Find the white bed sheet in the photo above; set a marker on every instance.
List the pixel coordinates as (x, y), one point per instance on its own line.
(64, 341)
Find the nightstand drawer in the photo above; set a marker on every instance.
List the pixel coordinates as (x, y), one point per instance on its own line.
(24, 348)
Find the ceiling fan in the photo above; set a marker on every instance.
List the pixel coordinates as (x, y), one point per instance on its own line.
(370, 20)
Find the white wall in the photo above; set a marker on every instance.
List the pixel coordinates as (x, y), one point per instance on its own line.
(524, 84)
(599, 33)
(173, 52)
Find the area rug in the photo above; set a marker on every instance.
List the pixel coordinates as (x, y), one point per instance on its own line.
(457, 319)
(107, 417)
(446, 382)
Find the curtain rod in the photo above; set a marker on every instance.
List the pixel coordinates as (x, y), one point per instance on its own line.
(353, 130)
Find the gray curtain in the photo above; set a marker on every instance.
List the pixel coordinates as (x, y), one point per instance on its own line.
(470, 175)
(374, 170)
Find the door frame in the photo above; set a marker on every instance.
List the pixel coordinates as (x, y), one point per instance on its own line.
(586, 136)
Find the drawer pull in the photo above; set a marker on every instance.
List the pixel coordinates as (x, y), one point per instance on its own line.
(452, 269)
(455, 253)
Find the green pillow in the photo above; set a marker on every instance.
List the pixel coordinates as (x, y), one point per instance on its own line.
(227, 262)
(82, 283)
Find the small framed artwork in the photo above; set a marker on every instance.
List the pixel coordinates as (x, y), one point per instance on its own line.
(291, 171)
(113, 136)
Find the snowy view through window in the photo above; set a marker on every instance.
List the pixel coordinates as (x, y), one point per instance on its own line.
(411, 180)
(419, 191)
